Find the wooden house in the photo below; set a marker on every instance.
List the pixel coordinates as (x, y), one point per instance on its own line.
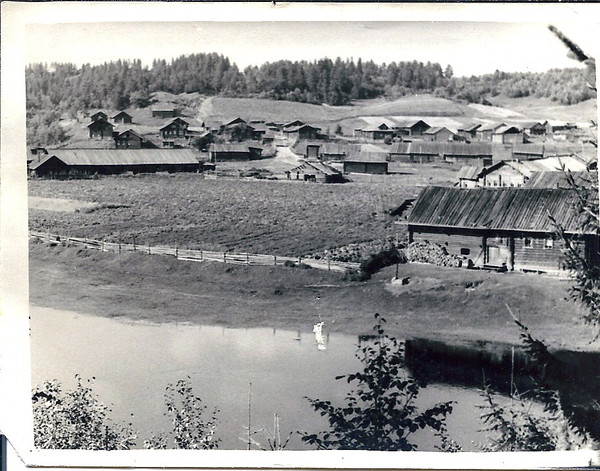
(502, 228)
(100, 129)
(315, 171)
(527, 151)
(469, 131)
(99, 115)
(535, 128)
(414, 152)
(234, 122)
(234, 152)
(291, 124)
(128, 139)
(302, 132)
(508, 173)
(438, 134)
(174, 128)
(375, 133)
(122, 117)
(469, 176)
(411, 127)
(321, 150)
(367, 162)
(163, 112)
(485, 132)
(73, 163)
(508, 135)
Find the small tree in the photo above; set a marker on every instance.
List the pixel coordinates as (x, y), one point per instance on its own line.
(191, 431)
(380, 414)
(75, 420)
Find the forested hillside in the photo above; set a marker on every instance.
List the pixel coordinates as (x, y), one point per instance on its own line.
(59, 89)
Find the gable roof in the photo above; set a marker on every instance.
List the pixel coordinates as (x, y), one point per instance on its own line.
(470, 127)
(491, 126)
(173, 121)
(442, 148)
(470, 172)
(436, 130)
(507, 129)
(76, 157)
(548, 179)
(318, 166)
(408, 123)
(121, 113)
(370, 157)
(521, 209)
(100, 122)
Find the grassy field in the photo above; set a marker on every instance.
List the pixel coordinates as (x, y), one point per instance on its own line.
(276, 217)
(456, 305)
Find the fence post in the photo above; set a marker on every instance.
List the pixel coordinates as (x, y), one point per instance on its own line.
(275, 260)
(224, 257)
(102, 246)
(299, 260)
(176, 251)
(201, 256)
(328, 264)
(247, 259)
(119, 247)
(149, 253)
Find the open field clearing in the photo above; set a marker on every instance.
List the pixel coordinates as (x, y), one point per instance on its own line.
(272, 217)
(456, 305)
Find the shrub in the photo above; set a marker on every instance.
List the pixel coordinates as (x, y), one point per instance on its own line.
(380, 414)
(385, 258)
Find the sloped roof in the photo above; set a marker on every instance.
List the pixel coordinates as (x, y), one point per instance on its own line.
(442, 148)
(470, 172)
(303, 126)
(130, 131)
(537, 149)
(234, 147)
(173, 121)
(470, 127)
(95, 123)
(491, 127)
(371, 157)
(120, 113)
(522, 209)
(437, 129)
(408, 123)
(75, 157)
(507, 129)
(547, 179)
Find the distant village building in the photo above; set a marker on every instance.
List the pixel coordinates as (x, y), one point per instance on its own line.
(477, 153)
(128, 140)
(535, 128)
(122, 117)
(375, 133)
(415, 127)
(175, 128)
(165, 112)
(501, 228)
(527, 151)
(321, 150)
(485, 132)
(99, 115)
(508, 135)
(367, 162)
(73, 163)
(469, 176)
(414, 152)
(315, 171)
(234, 152)
(469, 132)
(302, 132)
(438, 134)
(550, 179)
(100, 129)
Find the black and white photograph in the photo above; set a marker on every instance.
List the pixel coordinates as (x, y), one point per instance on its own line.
(289, 235)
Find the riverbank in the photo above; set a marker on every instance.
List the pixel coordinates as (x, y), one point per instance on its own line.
(454, 305)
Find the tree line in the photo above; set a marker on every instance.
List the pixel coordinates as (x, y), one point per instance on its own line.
(119, 84)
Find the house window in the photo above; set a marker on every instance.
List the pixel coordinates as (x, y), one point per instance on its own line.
(549, 243)
(527, 242)
(465, 251)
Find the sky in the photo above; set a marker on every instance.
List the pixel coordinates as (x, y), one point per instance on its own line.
(471, 48)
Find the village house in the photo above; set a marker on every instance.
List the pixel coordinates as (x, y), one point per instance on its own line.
(122, 117)
(375, 133)
(469, 131)
(73, 163)
(485, 132)
(477, 153)
(100, 129)
(292, 124)
(469, 176)
(321, 150)
(414, 152)
(128, 140)
(302, 132)
(535, 128)
(174, 128)
(234, 122)
(234, 152)
(508, 135)
(99, 115)
(314, 171)
(367, 162)
(438, 134)
(506, 228)
(414, 127)
(165, 112)
(527, 151)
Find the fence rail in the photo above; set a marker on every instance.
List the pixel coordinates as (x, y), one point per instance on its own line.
(194, 255)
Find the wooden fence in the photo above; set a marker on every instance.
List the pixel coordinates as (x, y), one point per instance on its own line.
(194, 255)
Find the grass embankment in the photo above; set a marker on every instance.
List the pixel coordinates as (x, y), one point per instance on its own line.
(455, 305)
(273, 217)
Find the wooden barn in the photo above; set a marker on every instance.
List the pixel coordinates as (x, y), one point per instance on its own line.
(535, 128)
(414, 152)
(367, 162)
(477, 153)
(100, 129)
(469, 176)
(375, 133)
(122, 117)
(500, 228)
(234, 152)
(315, 171)
(128, 139)
(73, 163)
(485, 132)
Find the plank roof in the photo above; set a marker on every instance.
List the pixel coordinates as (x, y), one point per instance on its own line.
(511, 209)
(548, 179)
(318, 166)
(77, 157)
(442, 148)
(370, 157)
(470, 127)
(470, 172)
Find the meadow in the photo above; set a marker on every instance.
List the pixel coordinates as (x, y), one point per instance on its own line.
(185, 210)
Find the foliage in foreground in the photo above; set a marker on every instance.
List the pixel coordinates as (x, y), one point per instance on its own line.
(190, 429)
(76, 420)
(380, 414)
